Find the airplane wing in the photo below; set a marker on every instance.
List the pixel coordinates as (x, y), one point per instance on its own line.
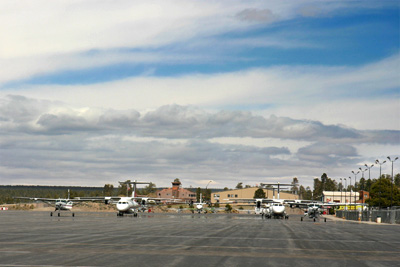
(115, 199)
(250, 200)
(158, 201)
(106, 200)
(50, 201)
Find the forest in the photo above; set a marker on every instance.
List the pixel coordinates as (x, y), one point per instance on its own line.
(9, 192)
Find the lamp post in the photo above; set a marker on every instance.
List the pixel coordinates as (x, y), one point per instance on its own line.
(380, 174)
(345, 188)
(355, 181)
(341, 190)
(350, 190)
(380, 167)
(206, 188)
(362, 173)
(391, 186)
(369, 173)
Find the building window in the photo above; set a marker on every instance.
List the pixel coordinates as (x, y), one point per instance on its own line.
(235, 195)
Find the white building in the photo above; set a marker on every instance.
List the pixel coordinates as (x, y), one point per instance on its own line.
(340, 197)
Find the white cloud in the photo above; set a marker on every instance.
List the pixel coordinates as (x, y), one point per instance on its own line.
(353, 96)
(58, 143)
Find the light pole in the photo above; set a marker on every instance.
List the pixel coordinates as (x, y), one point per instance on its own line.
(350, 190)
(206, 189)
(355, 181)
(391, 186)
(345, 190)
(362, 173)
(341, 190)
(380, 167)
(369, 174)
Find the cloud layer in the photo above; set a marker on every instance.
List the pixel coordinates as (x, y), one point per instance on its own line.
(57, 141)
(96, 91)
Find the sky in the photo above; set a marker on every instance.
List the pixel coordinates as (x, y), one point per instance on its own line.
(93, 92)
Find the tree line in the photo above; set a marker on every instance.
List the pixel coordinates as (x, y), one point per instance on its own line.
(383, 193)
(9, 192)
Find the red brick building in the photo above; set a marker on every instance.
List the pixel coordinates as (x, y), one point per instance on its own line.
(364, 195)
(176, 191)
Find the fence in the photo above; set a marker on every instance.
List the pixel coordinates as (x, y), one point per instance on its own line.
(387, 216)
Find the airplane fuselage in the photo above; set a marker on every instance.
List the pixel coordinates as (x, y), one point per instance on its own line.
(127, 205)
(313, 210)
(63, 204)
(278, 210)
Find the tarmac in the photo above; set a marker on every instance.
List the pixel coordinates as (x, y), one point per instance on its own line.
(33, 238)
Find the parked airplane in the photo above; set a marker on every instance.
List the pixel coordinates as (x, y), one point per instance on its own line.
(268, 208)
(58, 203)
(275, 210)
(132, 204)
(199, 207)
(313, 211)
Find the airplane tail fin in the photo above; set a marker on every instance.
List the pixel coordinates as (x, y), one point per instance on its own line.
(134, 189)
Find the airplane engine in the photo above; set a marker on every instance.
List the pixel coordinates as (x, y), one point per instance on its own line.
(107, 200)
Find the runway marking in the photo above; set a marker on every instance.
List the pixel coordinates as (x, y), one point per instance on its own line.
(41, 265)
(126, 246)
(314, 254)
(212, 237)
(15, 251)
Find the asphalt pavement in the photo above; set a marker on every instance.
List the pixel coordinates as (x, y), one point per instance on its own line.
(29, 238)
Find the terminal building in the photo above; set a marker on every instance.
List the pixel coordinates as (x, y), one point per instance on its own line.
(345, 197)
(248, 193)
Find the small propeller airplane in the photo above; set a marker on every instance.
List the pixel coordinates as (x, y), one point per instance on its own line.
(313, 210)
(132, 204)
(58, 203)
(199, 207)
(267, 207)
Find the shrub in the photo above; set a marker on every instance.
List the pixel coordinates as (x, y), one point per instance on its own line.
(228, 208)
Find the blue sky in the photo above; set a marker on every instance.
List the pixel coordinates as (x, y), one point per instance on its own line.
(349, 39)
(234, 91)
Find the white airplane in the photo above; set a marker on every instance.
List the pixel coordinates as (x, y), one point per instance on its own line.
(313, 210)
(275, 209)
(58, 203)
(268, 208)
(199, 206)
(133, 204)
